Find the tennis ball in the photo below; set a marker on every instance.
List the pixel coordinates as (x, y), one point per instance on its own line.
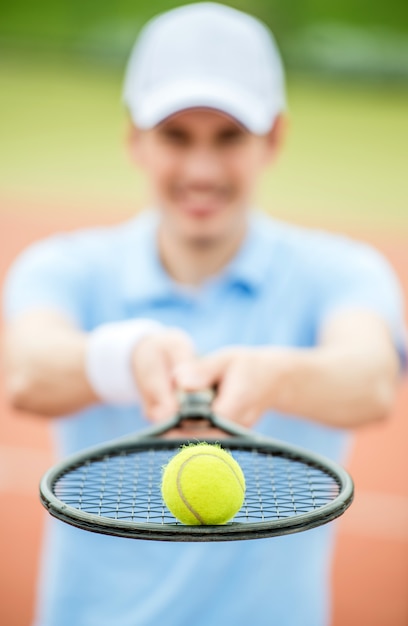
(203, 484)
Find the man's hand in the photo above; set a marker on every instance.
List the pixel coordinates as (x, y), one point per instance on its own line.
(45, 356)
(348, 380)
(248, 380)
(154, 360)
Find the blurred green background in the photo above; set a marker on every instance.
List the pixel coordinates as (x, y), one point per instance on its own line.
(63, 127)
(63, 164)
(354, 36)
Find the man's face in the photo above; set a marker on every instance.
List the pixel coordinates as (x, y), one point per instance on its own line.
(202, 166)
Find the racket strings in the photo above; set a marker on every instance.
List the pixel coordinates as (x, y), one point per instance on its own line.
(126, 486)
(279, 487)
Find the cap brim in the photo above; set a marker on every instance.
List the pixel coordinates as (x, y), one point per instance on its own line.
(176, 97)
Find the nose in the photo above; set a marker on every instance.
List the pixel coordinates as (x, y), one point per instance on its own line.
(202, 165)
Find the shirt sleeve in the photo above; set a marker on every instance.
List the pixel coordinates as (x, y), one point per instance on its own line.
(353, 275)
(48, 274)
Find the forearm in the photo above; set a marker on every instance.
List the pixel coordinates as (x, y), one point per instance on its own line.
(337, 386)
(53, 368)
(348, 380)
(45, 371)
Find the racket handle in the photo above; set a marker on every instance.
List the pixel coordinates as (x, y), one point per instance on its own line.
(196, 404)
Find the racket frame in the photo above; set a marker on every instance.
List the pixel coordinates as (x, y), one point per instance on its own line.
(241, 439)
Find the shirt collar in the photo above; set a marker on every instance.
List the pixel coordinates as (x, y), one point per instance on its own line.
(144, 277)
(146, 280)
(249, 267)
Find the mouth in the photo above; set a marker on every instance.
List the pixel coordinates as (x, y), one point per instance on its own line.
(202, 204)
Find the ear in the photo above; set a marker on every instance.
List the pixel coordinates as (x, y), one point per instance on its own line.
(275, 137)
(134, 143)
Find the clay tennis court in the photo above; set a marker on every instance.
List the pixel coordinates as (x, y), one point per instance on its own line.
(371, 567)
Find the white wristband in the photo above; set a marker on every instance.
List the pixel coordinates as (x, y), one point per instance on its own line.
(108, 359)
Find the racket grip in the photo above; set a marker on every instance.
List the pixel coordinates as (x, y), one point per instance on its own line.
(196, 404)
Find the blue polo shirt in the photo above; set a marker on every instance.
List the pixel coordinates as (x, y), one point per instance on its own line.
(279, 289)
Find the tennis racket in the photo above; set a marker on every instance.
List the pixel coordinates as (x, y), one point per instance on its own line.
(115, 488)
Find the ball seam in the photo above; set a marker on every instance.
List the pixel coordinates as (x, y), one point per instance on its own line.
(180, 490)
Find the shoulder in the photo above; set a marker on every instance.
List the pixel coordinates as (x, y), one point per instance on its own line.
(301, 241)
(318, 253)
(84, 247)
(327, 273)
(77, 272)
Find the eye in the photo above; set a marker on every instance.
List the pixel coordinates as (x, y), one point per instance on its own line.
(231, 136)
(174, 136)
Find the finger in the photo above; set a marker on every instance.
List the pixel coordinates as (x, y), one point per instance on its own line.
(153, 379)
(202, 373)
(178, 346)
(249, 418)
(234, 400)
(236, 412)
(162, 411)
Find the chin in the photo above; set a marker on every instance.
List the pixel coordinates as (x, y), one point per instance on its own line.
(203, 230)
(206, 231)
(201, 238)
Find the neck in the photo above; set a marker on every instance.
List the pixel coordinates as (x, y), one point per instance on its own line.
(192, 261)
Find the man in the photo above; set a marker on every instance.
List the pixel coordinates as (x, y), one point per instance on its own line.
(302, 331)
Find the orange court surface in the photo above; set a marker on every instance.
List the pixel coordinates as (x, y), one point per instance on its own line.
(370, 575)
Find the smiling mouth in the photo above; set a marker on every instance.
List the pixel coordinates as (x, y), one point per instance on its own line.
(201, 204)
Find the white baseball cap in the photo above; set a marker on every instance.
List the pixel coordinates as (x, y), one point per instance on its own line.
(205, 55)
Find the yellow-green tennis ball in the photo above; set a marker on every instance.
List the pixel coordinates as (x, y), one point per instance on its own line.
(203, 484)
